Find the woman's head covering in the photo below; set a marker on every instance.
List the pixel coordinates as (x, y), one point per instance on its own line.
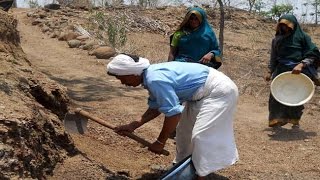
(290, 21)
(295, 46)
(198, 12)
(122, 65)
(193, 45)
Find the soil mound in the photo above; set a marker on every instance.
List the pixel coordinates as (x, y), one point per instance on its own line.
(32, 140)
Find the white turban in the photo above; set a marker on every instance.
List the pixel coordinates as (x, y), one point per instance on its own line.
(124, 65)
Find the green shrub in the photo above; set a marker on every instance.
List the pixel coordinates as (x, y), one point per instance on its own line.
(111, 30)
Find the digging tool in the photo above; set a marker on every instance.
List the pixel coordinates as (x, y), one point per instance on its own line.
(77, 123)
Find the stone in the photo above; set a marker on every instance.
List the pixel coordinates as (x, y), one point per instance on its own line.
(104, 52)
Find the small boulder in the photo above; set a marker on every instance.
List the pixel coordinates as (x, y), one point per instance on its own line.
(104, 52)
(68, 36)
(82, 38)
(55, 34)
(74, 43)
(45, 29)
(37, 21)
(88, 45)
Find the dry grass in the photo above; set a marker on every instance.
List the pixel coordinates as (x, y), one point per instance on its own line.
(154, 47)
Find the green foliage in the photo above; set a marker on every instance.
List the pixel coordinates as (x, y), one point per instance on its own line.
(266, 14)
(110, 30)
(141, 2)
(147, 3)
(116, 32)
(99, 17)
(259, 5)
(122, 32)
(278, 10)
(33, 4)
(114, 2)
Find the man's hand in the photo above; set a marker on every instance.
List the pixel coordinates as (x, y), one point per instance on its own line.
(156, 147)
(207, 58)
(127, 127)
(298, 68)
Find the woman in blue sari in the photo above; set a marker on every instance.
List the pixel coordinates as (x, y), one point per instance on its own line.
(195, 41)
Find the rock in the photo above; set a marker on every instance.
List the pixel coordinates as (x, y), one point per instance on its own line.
(36, 22)
(74, 43)
(155, 167)
(82, 38)
(57, 33)
(68, 36)
(42, 15)
(104, 52)
(52, 35)
(88, 45)
(45, 29)
(30, 14)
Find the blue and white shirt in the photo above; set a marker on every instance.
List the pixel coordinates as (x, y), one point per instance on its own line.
(171, 83)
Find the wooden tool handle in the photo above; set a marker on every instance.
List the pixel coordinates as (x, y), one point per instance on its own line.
(96, 119)
(128, 134)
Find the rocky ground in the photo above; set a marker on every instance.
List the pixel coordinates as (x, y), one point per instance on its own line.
(49, 66)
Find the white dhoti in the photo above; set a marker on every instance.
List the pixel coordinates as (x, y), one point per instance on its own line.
(206, 126)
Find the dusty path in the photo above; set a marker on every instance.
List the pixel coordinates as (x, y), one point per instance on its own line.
(287, 154)
(90, 88)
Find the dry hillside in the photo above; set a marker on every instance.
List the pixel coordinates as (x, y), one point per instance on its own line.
(42, 77)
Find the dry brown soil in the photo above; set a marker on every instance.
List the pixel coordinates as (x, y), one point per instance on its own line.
(264, 154)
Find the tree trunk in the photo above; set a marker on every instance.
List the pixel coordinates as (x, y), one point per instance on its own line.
(221, 27)
(316, 6)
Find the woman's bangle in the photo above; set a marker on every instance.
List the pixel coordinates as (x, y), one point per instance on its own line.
(159, 142)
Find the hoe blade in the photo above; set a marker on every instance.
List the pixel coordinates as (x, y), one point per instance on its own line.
(74, 123)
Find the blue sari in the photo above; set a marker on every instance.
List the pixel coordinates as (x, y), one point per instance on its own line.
(192, 45)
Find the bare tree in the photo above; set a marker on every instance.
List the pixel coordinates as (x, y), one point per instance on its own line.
(315, 4)
(221, 27)
(226, 2)
(251, 4)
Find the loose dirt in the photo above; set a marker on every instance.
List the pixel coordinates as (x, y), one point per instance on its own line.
(264, 154)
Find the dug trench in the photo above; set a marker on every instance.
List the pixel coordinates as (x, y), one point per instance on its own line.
(32, 138)
(41, 78)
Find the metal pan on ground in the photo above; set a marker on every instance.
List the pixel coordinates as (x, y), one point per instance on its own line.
(182, 170)
(292, 89)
